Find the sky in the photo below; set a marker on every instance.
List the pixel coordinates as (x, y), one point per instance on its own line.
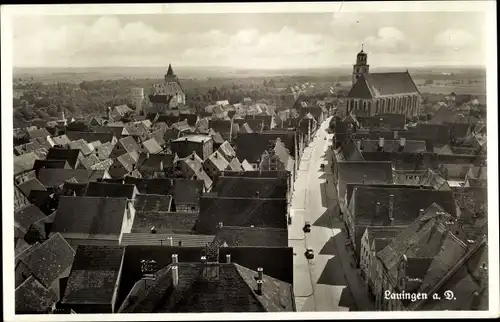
(251, 40)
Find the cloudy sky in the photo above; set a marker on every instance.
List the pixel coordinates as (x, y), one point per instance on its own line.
(251, 40)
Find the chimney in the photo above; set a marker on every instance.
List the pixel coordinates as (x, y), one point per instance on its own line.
(381, 143)
(220, 225)
(171, 241)
(358, 144)
(215, 154)
(391, 208)
(175, 269)
(260, 273)
(402, 142)
(259, 287)
(228, 258)
(204, 259)
(180, 243)
(175, 275)
(420, 212)
(364, 178)
(147, 155)
(257, 194)
(192, 156)
(377, 209)
(396, 134)
(153, 230)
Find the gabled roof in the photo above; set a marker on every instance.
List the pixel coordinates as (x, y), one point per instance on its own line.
(375, 85)
(56, 177)
(37, 133)
(246, 166)
(69, 155)
(129, 144)
(227, 150)
(51, 164)
(50, 260)
(147, 202)
(246, 187)
(152, 146)
(252, 236)
(243, 212)
(104, 150)
(250, 146)
(26, 216)
(103, 165)
(187, 192)
(164, 222)
(194, 293)
(410, 146)
(234, 165)
(24, 162)
(407, 203)
(163, 239)
(245, 128)
(217, 159)
(217, 138)
(94, 275)
(111, 190)
(32, 297)
(356, 172)
(32, 184)
(81, 145)
(448, 115)
(90, 215)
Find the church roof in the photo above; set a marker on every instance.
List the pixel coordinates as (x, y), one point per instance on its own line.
(170, 71)
(374, 85)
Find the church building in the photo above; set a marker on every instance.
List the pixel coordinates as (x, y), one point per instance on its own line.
(381, 93)
(167, 95)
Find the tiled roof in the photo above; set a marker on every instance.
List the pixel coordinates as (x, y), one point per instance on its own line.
(82, 146)
(357, 172)
(164, 222)
(245, 128)
(62, 140)
(50, 260)
(158, 135)
(32, 184)
(103, 151)
(466, 282)
(148, 203)
(112, 190)
(217, 138)
(446, 114)
(187, 191)
(233, 291)
(167, 88)
(425, 237)
(410, 146)
(250, 146)
(374, 85)
(252, 236)
(32, 297)
(103, 165)
(56, 177)
(471, 201)
(436, 133)
(129, 144)
(217, 160)
(24, 162)
(90, 215)
(159, 186)
(51, 164)
(246, 166)
(243, 212)
(234, 165)
(246, 187)
(227, 150)
(69, 155)
(146, 238)
(38, 133)
(94, 275)
(79, 189)
(26, 216)
(389, 120)
(407, 203)
(114, 130)
(152, 146)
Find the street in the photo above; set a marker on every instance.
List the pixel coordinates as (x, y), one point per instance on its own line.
(328, 282)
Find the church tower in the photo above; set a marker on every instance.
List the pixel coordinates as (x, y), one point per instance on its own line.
(170, 77)
(361, 66)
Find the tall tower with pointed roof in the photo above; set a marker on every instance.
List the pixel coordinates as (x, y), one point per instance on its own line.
(361, 67)
(170, 77)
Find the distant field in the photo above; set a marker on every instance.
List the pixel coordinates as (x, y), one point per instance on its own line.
(476, 89)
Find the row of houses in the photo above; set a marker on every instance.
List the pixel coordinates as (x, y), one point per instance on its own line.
(415, 209)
